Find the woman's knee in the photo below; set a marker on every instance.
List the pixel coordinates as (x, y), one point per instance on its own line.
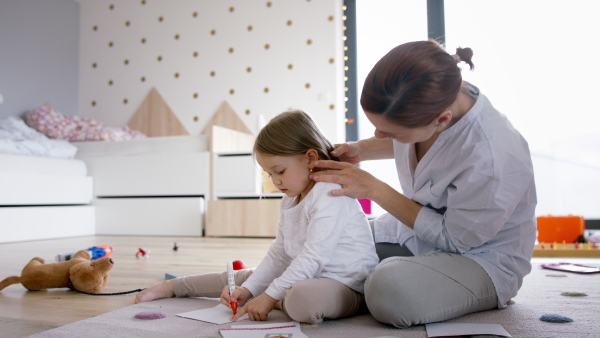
(389, 294)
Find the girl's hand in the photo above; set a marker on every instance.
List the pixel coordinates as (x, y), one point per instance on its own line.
(240, 295)
(355, 182)
(347, 152)
(258, 308)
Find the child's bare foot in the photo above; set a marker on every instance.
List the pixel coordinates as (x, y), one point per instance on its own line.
(162, 290)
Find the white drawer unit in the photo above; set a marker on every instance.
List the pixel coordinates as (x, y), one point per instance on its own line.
(150, 216)
(236, 175)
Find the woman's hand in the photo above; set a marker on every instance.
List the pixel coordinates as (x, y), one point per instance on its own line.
(240, 295)
(355, 182)
(347, 152)
(258, 308)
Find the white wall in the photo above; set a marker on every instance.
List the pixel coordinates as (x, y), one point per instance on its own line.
(122, 41)
(39, 53)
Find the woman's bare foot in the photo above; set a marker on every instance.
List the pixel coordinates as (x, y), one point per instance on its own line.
(162, 290)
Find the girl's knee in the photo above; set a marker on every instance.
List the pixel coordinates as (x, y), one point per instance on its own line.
(301, 304)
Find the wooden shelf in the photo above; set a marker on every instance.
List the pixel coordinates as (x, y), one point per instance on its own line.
(566, 250)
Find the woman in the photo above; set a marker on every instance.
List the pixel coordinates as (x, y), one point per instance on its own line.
(463, 230)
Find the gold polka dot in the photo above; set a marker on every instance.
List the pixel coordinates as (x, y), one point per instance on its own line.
(266, 89)
(267, 46)
(143, 79)
(289, 23)
(195, 15)
(345, 47)
(290, 66)
(345, 78)
(143, 40)
(230, 50)
(231, 9)
(143, 2)
(159, 58)
(345, 58)
(249, 28)
(196, 118)
(330, 18)
(231, 91)
(249, 69)
(110, 82)
(247, 111)
(94, 65)
(212, 73)
(195, 95)
(344, 38)
(125, 101)
(93, 103)
(160, 19)
(110, 44)
(309, 42)
(344, 7)
(331, 60)
(111, 7)
(344, 17)
(195, 54)
(127, 23)
(176, 75)
(95, 28)
(307, 85)
(332, 107)
(346, 68)
(213, 32)
(269, 4)
(176, 36)
(126, 62)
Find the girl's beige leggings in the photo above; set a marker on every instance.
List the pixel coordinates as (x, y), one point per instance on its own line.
(308, 301)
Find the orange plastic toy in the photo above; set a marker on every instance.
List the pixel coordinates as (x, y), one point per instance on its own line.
(557, 229)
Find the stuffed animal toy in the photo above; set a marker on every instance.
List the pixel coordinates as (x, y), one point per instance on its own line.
(84, 275)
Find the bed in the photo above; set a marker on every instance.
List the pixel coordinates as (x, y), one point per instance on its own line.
(44, 191)
(155, 186)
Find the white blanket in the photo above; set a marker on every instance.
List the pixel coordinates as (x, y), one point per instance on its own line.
(17, 138)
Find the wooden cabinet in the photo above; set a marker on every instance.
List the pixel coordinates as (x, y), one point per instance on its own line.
(250, 217)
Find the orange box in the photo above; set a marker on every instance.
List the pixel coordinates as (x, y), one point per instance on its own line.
(559, 228)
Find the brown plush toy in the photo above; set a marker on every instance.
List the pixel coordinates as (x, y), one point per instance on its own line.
(85, 275)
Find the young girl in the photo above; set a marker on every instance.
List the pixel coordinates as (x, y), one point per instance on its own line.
(324, 247)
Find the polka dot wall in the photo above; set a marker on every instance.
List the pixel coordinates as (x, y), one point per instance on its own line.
(260, 56)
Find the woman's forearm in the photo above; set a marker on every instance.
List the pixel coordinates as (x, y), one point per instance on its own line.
(376, 149)
(398, 205)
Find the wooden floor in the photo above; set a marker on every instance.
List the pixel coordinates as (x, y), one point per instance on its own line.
(24, 313)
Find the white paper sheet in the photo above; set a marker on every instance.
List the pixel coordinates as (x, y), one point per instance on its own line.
(464, 329)
(219, 314)
(287, 330)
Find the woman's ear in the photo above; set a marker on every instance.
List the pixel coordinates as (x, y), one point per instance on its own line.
(444, 118)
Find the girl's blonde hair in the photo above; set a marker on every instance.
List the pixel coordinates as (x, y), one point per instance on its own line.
(291, 133)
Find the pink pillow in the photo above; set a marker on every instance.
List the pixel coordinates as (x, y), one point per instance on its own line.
(74, 128)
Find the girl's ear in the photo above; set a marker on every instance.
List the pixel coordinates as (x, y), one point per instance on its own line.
(312, 155)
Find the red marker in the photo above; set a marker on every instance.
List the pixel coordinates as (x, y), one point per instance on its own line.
(234, 305)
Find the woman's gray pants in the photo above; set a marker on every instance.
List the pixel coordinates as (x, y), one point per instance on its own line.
(406, 290)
